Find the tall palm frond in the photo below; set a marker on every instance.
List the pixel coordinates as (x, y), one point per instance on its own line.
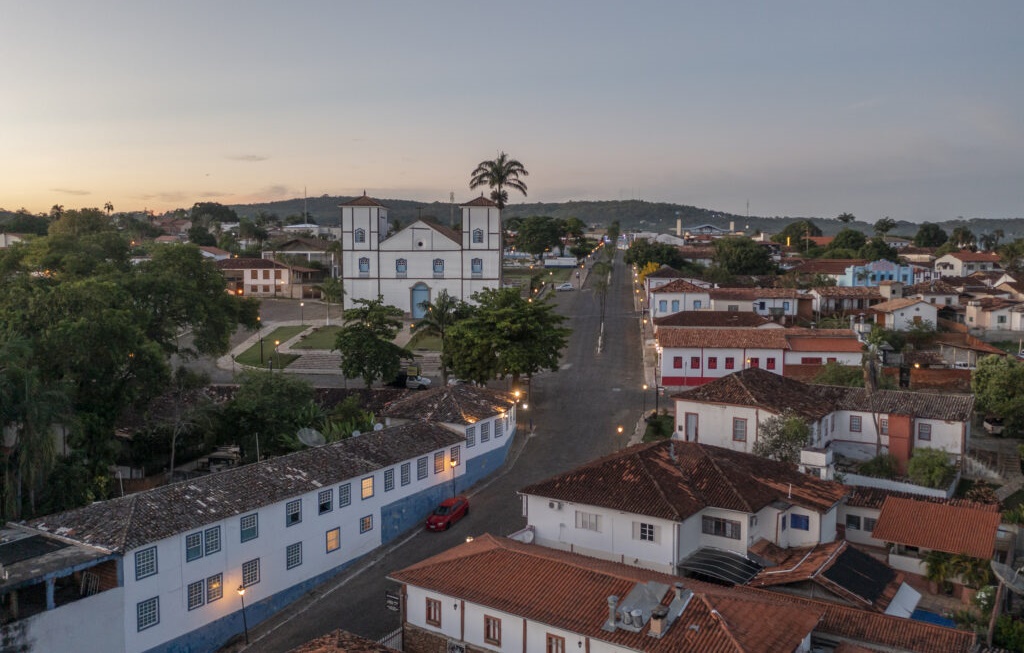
(497, 174)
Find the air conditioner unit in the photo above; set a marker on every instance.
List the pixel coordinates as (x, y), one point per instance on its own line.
(555, 505)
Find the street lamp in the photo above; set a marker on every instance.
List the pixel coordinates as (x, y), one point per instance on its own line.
(645, 398)
(277, 356)
(245, 622)
(302, 313)
(259, 330)
(453, 464)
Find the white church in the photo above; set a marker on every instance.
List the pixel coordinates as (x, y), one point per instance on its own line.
(413, 265)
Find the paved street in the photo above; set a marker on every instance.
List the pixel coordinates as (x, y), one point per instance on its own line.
(575, 413)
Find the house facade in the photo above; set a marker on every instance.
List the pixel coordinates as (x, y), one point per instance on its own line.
(904, 314)
(677, 296)
(965, 262)
(874, 272)
(409, 268)
(256, 277)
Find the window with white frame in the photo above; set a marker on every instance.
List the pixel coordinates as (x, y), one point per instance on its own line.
(853, 522)
(470, 436)
(406, 473)
(476, 266)
(366, 524)
(588, 521)
(211, 540)
(193, 546)
(739, 429)
(325, 500)
(478, 236)
(344, 495)
(389, 479)
(366, 487)
(421, 468)
(720, 527)
(145, 563)
(485, 432)
(497, 429)
(924, 431)
(214, 588)
(293, 512)
(645, 532)
(800, 522)
(250, 527)
(333, 539)
(250, 572)
(438, 462)
(883, 426)
(196, 593)
(147, 613)
(293, 555)
(360, 235)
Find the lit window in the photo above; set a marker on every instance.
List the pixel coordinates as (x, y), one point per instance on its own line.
(293, 555)
(214, 588)
(196, 594)
(250, 572)
(145, 563)
(344, 495)
(366, 524)
(147, 613)
(455, 454)
(855, 425)
(739, 429)
(333, 539)
(293, 512)
(366, 486)
(438, 462)
(325, 501)
(250, 527)
(492, 630)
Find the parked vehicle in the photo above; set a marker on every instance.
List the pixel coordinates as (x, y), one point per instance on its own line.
(417, 382)
(447, 513)
(993, 425)
(564, 286)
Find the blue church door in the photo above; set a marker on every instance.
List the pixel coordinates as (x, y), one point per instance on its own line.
(420, 295)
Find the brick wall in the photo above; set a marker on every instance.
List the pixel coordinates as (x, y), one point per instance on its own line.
(417, 640)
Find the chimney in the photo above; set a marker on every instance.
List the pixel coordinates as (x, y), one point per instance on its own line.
(613, 602)
(658, 621)
(679, 591)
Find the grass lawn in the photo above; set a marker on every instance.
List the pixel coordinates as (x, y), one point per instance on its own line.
(251, 356)
(425, 341)
(322, 338)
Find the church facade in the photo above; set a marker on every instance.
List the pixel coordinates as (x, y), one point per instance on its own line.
(412, 266)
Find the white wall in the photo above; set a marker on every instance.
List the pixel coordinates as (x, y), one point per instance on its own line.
(91, 622)
(739, 356)
(715, 421)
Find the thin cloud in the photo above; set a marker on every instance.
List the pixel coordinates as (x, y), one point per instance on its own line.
(169, 196)
(212, 193)
(71, 191)
(247, 157)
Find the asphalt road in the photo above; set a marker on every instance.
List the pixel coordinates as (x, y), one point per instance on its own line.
(575, 412)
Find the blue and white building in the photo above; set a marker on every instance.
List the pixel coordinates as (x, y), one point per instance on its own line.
(163, 570)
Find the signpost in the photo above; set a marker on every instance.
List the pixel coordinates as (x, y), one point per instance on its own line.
(392, 601)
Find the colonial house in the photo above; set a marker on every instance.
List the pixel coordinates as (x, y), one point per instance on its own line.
(688, 357)
(990, 313)
(661, 276)
(834, 269)
(663, 505)
(163, 565)
(409, 268)
(837, 300)
(728, 413)
(964, 349)
(7, 240)
(904, 314)
(872, 273)
(215, 253)
(308, 252)
(256, 277)
(965, 262)
(919, 255)
(498, 594)
(678, 295)
(714, 320)
(772, 302)
(1015, 289)
(935, 292)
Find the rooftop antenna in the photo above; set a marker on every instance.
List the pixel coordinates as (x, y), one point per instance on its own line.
(451, 208)
(305, 207)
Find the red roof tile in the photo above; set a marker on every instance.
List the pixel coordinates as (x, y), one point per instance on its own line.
(939, 527)
(764, 389)
(790, 339)
(873, 497)
(341, 641)
(680, 285)
(364, 200)
(248, 263)
(968, 256)
(480, 201)
(828, 265)
(665, 272)
(819, 343)
(711, 319)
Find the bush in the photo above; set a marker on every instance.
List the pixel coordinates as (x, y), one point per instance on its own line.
(1009, 633)
(931, 468)
(881, 466)
(659, 427)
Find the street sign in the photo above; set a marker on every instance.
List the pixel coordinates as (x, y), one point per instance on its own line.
(392, 601)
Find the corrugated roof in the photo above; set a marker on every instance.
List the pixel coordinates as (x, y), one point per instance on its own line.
(674, 480)
(569, 591)
(967, 530)
(128, 522)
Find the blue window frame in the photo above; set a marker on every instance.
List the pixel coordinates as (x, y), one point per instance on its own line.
(478, 235)
(401, 266)
(438, 266)
(477, 266)
(364, 264)
(662, 305)
(800, 522)
(360, 235)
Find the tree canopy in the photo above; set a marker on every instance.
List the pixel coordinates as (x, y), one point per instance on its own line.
(781, 437)
(795, 232)
(498, 174)
(366, 342)
(739, 255)
(930, 235)
(996, 383)
(538, 233)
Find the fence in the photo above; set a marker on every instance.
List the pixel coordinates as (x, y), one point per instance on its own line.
(392, 639)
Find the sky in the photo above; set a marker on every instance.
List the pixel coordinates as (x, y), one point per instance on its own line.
(911, 109)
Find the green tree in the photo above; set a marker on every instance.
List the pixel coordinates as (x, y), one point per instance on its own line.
(843, 375)
(200, 235)
(846, 218)
(271, 407)
(331, 290)
(930, 468)
(601, 273)
(642, 252)
(962, 237)
(996, 383)
(795, 233)
(930, 235)
(205, 213)
(781, 437)
(440, 315)
(877, 249)
(498, 174)
(884, 226)
(536, 234)
(505, 335)
(847, 239)
(366, 342)
(80, 223)
(739, 255)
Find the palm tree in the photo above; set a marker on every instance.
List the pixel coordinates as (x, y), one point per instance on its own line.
(497, 174)
(846, 218)
(439, 317)
(108, 207)
(332, 291)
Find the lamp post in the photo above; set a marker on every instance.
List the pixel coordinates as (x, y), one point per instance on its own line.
(619, 430)
(245, 622)
(453, 464)
(302, 313)
(645, 399)
(259, 330)
(277, 356)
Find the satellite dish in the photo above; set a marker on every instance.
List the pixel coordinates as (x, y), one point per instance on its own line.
(356, 434)
(310, 437)
(378, 427)
(1012, 578)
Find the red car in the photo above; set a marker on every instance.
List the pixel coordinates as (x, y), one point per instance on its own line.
(446, 514)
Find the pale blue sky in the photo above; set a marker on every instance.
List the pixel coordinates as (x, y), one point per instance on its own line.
(909, 109)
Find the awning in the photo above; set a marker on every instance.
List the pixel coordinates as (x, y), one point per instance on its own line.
(723, 565)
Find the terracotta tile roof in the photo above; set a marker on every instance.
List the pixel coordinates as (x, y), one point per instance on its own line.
(569, 592)
(696, 252)
(897, 304)
(848, 292)
(646, 480)
(341, 641)
(764, 389)
(796, 339)
(939, 527)
(935, 287)
(128, 522)
(778, 293)
(680, 285)
(966, 341)
(542, 584)
(216, 251)
(836, 566)
(743, 294)
(828, 265)
(712, 319)
(968, 256)
(364, 200)
(665, 272)
(248, 263)
(824, 343)
(456, 404)
(873, 497)
(996, 303)
(303, 245)
(480, 201)
(913, 249)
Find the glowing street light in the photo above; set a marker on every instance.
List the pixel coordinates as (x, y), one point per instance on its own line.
(245, 622)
